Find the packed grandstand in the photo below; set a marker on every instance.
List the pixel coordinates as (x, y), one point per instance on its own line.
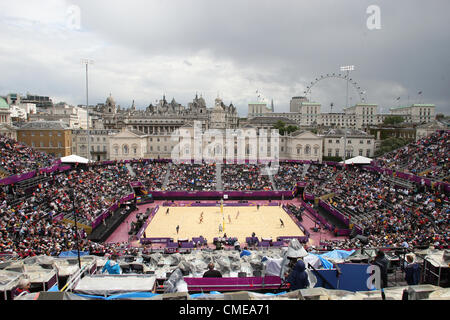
(398, 204)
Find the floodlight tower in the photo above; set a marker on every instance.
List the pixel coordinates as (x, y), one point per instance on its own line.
(348, 69)
(87, 62)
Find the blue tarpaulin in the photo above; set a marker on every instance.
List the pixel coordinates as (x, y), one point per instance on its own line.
(337, 254)
(325, 263)
(275, 294)
(196, 295)
(72, 253)
(54, 288)
(129, 295)
(245, 253)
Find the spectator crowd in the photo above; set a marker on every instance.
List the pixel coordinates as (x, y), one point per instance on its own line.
(191, 177)
(245, 177)
(390, 215)
(17, 158)
(430, 153)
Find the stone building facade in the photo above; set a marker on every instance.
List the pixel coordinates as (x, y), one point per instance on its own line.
(52, 137)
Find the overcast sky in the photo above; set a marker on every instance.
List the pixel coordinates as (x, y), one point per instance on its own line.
(144, 49)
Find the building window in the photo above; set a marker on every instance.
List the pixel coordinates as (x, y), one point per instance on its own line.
(337, 153)
(368, 142)
(59, 145)
(368, 153)
(337, 141)
(329, 152)
(307, 149)
(360, 152)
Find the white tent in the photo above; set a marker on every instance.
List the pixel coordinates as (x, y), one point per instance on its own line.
(358, 160)
(74, 159)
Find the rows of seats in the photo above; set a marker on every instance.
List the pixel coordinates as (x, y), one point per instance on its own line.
(390, 213)
(245, 177)
(428, 156)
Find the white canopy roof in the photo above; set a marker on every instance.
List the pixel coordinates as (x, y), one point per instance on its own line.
(74, 159)
(358, 160)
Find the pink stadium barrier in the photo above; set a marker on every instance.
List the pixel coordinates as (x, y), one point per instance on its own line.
(233, 284)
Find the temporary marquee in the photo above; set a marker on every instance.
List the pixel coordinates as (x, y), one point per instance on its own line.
(358, 160)
(74, 159)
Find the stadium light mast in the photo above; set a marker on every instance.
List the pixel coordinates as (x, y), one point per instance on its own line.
(87, 62)
(348, 69)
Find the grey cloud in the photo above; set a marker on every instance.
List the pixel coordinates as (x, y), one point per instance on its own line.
(279, 47)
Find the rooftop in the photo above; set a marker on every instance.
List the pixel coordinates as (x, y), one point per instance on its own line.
(3, 104)
(340, 132)
(45, 125)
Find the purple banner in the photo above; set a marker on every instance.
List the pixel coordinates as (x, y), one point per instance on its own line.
(64, 168)
(136, 184)
(103, 215)
(165, 195)
(334, 212)
(411, 177)
(308, 196)
(127, 198)
(316, 215)
(233, 283)
(18, 178)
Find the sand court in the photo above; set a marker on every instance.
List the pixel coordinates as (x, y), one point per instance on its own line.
(264, 222)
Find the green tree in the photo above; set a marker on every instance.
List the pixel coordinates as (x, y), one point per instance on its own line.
(390, 144)
(393, 120)
(291, 128)
(282, 128)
